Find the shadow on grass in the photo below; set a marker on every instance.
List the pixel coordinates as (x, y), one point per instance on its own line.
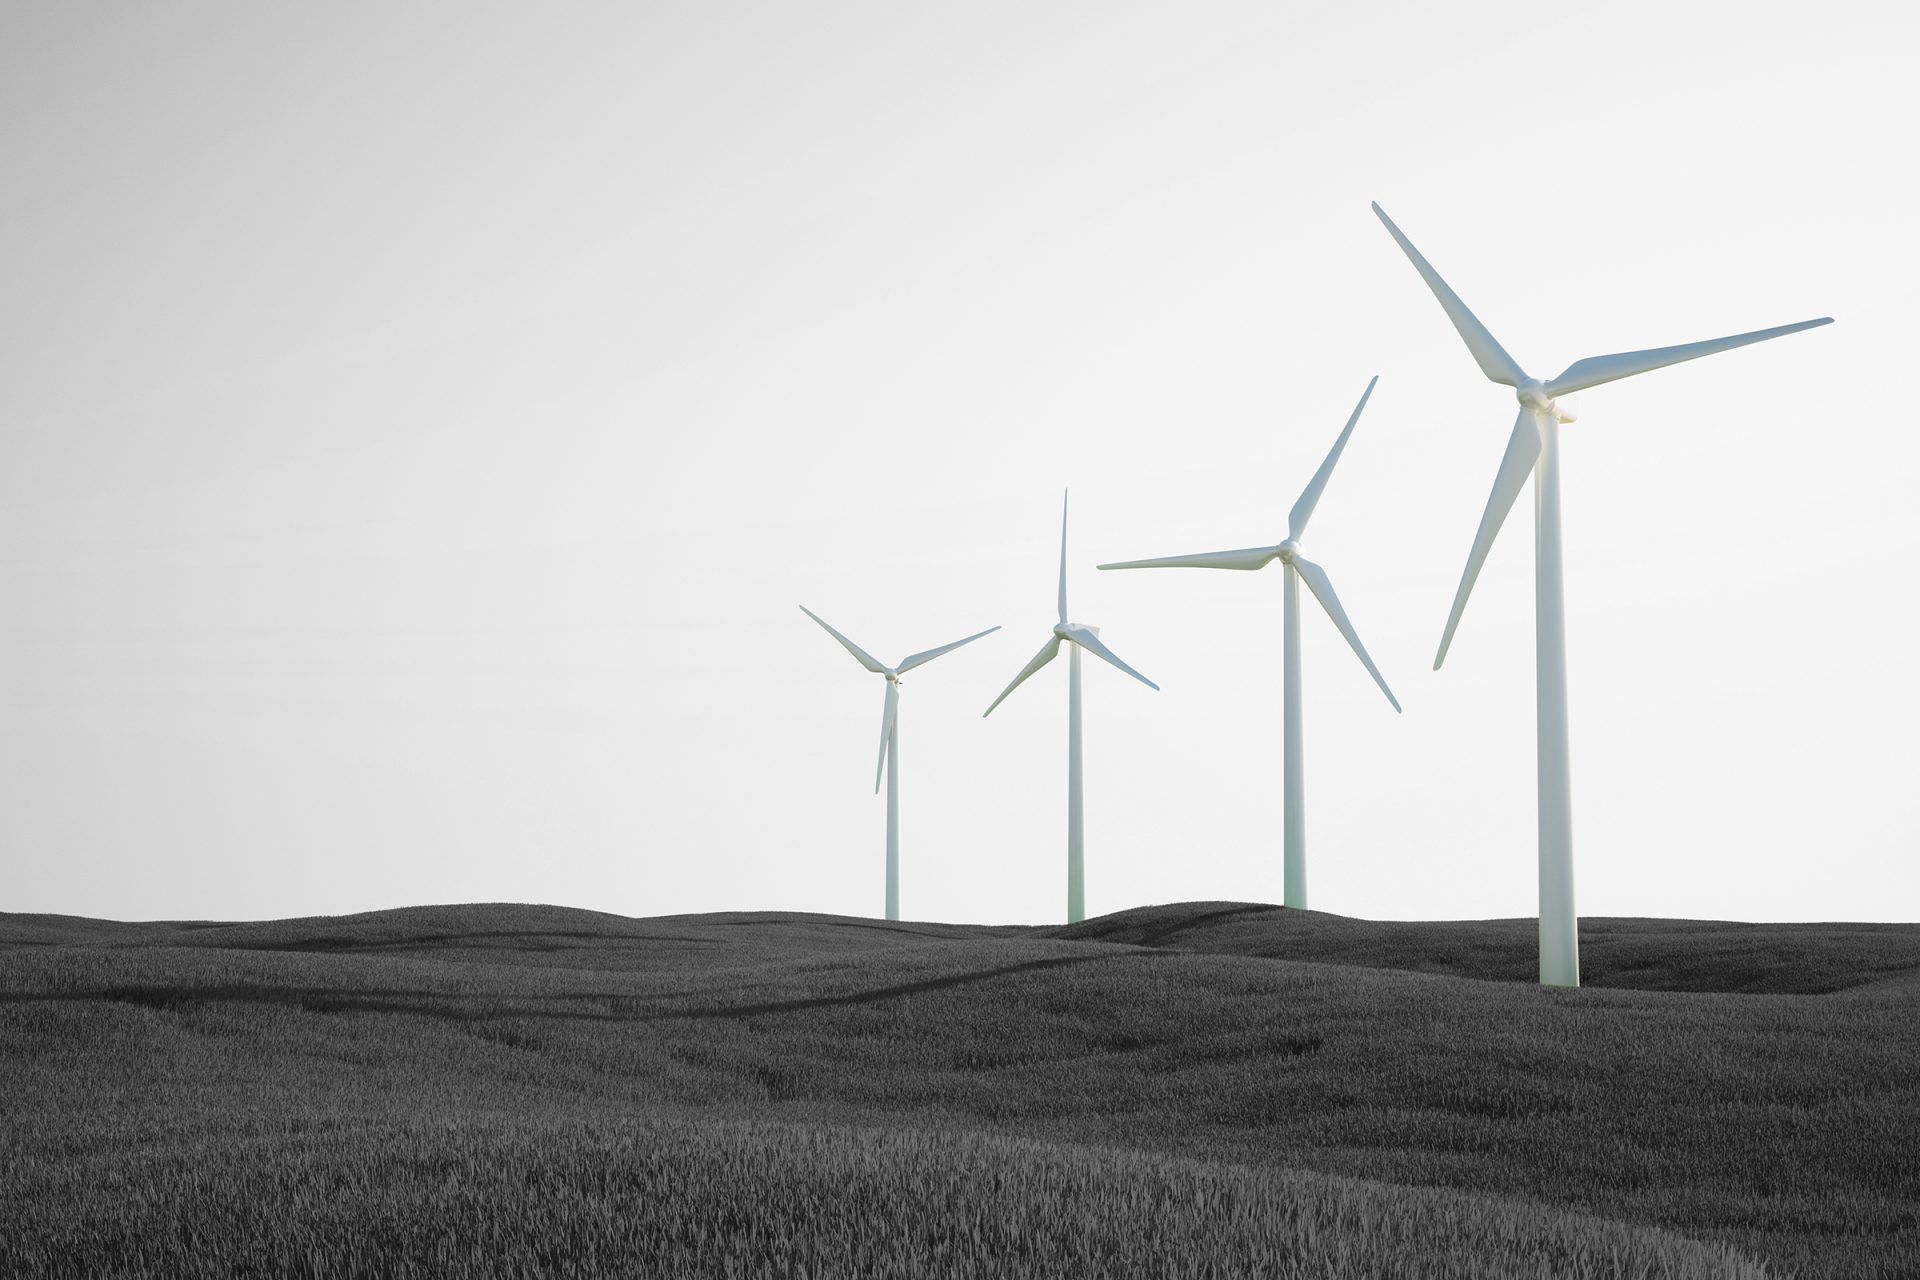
(954, 933)
(516, 940)
(895, 992)
(474, 1007)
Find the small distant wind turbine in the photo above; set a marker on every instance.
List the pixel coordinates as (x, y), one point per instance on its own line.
(1079, 637)
(890, 740)
(1534, 447)
(1297, 567)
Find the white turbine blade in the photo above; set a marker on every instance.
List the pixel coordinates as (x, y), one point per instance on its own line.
(1492, 357)
(1040, 659)
(908, 664)
(1523, 449)
(1322, 588)
(1595, 370)
(1310, 496)
(1084, 637)
(866, 659)
(886, 732)
(1246, 558)
(1063, 558)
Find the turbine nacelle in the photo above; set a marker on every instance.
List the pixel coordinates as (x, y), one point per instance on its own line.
(892, 675)
(1532, 394)
(1077, 634)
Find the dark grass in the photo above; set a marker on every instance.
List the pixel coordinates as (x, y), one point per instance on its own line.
(1641, 955)
(1205, 1089)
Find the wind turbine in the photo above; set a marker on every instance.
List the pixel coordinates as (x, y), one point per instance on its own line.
(1297, 568)
(1078, 637)
(889, 762)
(1534, 447)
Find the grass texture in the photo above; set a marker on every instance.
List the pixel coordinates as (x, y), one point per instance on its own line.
(1204, 1090)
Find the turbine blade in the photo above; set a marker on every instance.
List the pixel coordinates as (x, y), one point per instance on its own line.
(908, 664)
(1084, 637)
(1492, 357)
(1322, 588)
(866, 659)
(1063, 557)
(1310, 496)
(887, 718)
(1523, 449)
(1595, 370)
(1040, 659)
(1246, 558)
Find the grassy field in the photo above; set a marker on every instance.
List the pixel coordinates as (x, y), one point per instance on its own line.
(1210, 1089)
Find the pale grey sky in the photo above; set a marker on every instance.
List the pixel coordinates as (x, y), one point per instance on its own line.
(420, 423)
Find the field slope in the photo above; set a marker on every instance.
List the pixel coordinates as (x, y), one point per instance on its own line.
(1202, 1089)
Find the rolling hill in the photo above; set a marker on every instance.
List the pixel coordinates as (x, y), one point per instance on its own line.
(1200, 1089)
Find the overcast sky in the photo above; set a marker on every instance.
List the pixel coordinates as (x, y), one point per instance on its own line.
(420, 424)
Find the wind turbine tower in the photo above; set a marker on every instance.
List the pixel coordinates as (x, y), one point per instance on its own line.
(1297, 567)
(1076, 637)
(1534, 449)
(889, 762)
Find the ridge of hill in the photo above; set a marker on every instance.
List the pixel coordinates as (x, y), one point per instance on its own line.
(1630, 953)
(1633, 953)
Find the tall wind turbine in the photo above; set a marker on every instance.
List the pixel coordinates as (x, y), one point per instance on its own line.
(1078, 637)
(889, 762)
(1534, 447)
(1297, 567)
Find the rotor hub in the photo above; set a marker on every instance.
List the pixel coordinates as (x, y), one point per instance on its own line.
(1533, 394)
(1287, 551)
